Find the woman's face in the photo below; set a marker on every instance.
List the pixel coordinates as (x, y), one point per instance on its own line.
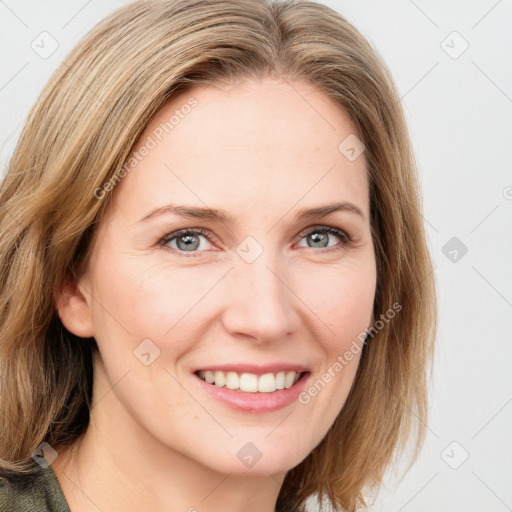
(206, 261)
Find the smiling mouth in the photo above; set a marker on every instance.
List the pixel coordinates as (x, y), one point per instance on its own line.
(250, 382)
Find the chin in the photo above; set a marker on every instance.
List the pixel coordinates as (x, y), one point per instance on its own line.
(248, 460)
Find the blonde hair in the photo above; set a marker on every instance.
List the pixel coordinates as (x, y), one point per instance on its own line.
(79, 134)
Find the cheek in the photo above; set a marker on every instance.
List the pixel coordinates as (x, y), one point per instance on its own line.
(138, 300)
(341, 297)
(343, 300)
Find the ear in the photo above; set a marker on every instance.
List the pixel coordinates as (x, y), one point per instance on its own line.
(74, 309)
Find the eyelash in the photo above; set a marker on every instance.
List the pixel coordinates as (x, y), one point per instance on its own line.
(346, 240)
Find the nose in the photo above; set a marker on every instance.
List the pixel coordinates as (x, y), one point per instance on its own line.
(261, 304)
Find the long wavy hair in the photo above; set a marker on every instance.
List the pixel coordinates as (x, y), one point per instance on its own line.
(80, 133)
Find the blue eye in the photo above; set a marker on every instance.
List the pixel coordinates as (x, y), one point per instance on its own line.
(189, 240)
(320, 237)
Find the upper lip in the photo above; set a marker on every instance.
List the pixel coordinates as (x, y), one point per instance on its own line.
(254, 368)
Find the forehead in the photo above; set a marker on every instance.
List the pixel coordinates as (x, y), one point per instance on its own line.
(265, 144)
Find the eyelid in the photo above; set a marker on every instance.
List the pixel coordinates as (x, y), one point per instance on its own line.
(341, 233)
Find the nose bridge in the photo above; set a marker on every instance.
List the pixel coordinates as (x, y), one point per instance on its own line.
(261, 303)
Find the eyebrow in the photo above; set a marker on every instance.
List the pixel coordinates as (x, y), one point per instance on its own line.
(212, 214)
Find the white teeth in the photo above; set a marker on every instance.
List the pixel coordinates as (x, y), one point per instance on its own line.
(220, 379)
(232, 380)
(267, 383)
(280, 380)
(288, 380)
(250, 382)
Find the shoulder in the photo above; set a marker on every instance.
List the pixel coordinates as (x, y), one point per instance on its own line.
(36, 491)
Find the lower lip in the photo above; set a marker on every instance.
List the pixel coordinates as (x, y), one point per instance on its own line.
(255, 402)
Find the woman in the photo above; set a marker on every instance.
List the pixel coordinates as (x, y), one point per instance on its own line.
(216, 290)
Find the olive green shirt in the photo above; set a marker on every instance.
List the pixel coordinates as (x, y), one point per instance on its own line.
(39, 491)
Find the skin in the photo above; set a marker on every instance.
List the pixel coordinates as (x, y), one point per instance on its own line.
(261, 151)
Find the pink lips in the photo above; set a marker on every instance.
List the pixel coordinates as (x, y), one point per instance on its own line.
(255, 402)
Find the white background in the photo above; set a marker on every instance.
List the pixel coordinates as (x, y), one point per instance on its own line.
(459, 113)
